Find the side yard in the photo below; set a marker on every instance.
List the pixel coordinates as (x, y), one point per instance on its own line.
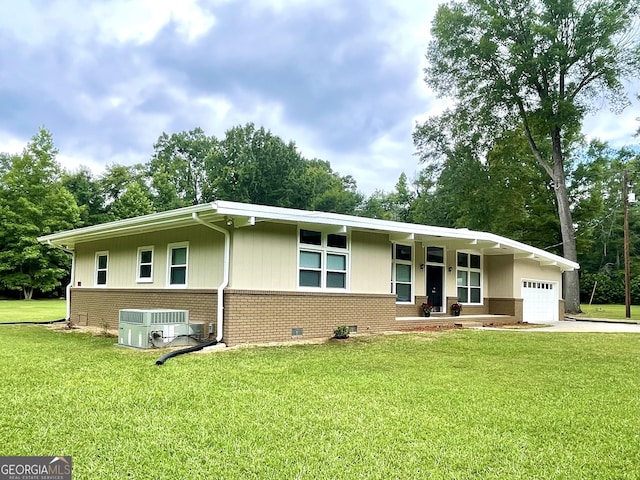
(455, 404)
(32, 310)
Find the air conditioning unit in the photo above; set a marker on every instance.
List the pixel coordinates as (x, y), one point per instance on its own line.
(154, 328)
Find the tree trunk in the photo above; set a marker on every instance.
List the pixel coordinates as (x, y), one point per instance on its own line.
(569, 251)
(27, 292)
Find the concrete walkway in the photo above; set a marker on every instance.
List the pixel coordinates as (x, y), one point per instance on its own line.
(608, 326)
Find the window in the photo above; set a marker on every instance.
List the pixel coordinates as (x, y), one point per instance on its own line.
(145, 265)
(102, 266)
(178, 257)
(402, 275)
(322, 260)
(435, 255)
(469, 278)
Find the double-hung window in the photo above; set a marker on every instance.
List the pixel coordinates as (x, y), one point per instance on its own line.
(323, 260)
(145, 265)
(402, 273)
(178, 263)
(102, 267)
(469, 277)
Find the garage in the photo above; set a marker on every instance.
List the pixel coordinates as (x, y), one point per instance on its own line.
(539, 301)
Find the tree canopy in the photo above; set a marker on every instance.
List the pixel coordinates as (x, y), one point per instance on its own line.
(535, 65)
(33, 201)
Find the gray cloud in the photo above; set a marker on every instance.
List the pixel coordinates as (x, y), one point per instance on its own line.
(341, 79)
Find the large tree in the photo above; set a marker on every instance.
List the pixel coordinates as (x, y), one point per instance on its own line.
(177, 168)
(33, 202)
(535, 64)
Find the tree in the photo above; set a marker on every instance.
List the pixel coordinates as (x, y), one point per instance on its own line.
(253, 165)
(397, 205)
(133, 202)
(177, 168)
(87, 191)
(537, 64)
(598, 212)
(33, 202)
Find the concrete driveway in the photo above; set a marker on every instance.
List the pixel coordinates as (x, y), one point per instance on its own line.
(584, 326)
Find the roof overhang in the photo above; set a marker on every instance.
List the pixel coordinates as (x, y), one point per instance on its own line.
(240, 215)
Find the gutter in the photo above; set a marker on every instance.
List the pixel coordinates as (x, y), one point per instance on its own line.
(225, 277)
(70, 284)
(72, 280)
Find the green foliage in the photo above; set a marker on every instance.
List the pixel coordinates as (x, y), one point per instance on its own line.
(177, 169)
(437, 406)
(133, 202)
(597, 193)
(609, 288)
(341, 332)
(397, 205)
(531, 65)
(85, 188)
(33, 202)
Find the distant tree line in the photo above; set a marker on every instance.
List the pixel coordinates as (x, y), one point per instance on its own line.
(502, 195)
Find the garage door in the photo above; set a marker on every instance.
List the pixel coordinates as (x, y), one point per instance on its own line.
(539, 301)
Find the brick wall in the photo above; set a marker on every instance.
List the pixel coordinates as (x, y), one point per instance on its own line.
(100, 306)
(265, 316)
(269, 316)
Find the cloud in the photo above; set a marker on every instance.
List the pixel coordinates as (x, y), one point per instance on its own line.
(343, 80)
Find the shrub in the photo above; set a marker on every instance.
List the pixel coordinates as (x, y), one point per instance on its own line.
(609, 287)
(341, 332)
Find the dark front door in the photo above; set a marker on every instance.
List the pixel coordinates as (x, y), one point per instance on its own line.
(434, 286)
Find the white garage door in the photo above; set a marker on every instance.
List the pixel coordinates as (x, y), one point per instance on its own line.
(539, 301)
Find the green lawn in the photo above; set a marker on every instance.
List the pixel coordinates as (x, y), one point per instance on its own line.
(461, 404)
(612, 312)
(32, 310)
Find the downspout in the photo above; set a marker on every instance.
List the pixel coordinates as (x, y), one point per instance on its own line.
(225, 276)
(72, 280)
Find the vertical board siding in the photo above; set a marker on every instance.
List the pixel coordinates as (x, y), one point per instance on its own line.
(206, 248)
(264, 257)
(370, 263)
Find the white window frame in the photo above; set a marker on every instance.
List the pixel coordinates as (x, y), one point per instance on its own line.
(324, 250)
(104, 253)
(170, 248)
(139, 264)
(469, 270)
(394, 262)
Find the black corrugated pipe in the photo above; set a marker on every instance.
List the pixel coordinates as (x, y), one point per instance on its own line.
(175, 353)
(48, 322)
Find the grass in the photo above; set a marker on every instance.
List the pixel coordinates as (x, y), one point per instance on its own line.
(611, 312)
(32, 310)
(459, 404)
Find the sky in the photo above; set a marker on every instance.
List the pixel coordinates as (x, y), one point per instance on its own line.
(342, 79)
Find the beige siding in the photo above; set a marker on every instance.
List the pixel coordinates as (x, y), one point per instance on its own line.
(499, 276)
(204, 268)
(370, 263)
(264, 257)
(532, 270)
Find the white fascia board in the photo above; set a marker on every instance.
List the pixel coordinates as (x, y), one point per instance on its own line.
(253, 213)
(161, 220)
(410, 230)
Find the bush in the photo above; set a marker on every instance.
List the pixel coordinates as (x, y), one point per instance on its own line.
(341, 332)
(609, 287)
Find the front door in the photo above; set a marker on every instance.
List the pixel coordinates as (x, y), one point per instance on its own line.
(435, 276)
